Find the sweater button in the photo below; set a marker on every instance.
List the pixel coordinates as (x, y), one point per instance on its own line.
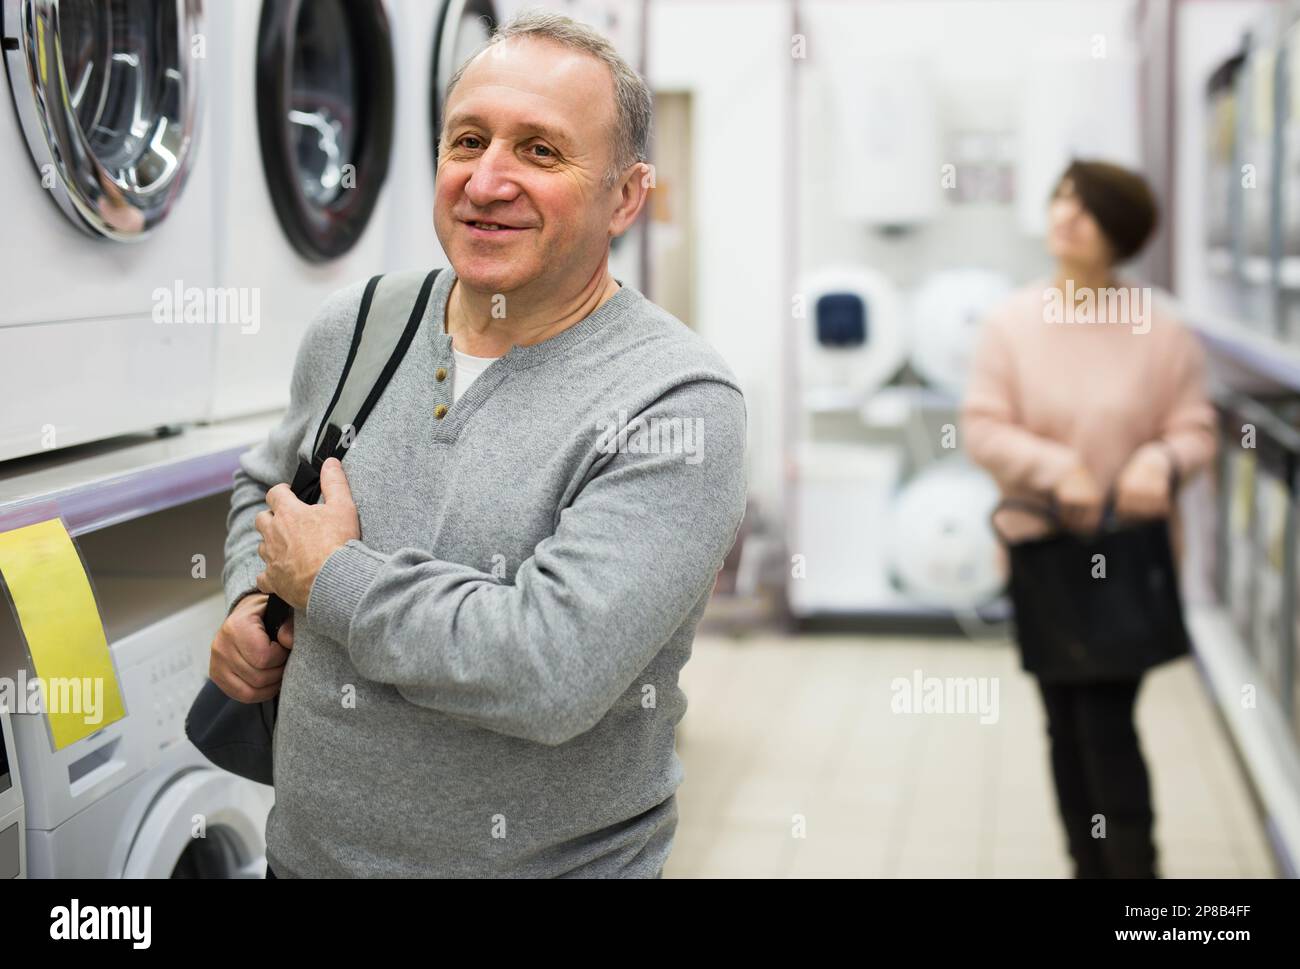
(440, 411)
(440, 373)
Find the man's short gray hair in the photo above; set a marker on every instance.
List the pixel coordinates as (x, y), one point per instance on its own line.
(633, 102)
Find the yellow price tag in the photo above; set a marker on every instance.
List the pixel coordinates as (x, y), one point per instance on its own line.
(65, 636)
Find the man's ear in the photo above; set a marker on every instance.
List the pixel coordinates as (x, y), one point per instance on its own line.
(634, 192)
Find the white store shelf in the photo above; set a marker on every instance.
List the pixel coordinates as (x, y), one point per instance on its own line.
(1256, 351)
(1261, 733)
(922, 397)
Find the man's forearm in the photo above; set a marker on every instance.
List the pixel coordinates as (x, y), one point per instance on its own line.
(243, 564)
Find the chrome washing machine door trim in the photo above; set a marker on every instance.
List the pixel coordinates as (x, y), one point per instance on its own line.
(108, 93)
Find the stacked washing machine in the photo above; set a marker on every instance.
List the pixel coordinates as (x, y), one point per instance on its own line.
(217, 171)
(109, 212)
(190, 182)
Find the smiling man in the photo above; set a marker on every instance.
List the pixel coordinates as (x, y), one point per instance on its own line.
(495, 598)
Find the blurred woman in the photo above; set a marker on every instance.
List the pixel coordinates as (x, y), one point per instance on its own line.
(1082, 384)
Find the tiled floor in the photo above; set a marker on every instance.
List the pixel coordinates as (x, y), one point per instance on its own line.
(797, 766)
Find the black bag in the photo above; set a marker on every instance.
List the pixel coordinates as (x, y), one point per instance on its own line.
(1073, 627)
(238, 736)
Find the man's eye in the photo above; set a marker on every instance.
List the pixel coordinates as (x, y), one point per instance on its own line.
(543, 148)
(463, 140)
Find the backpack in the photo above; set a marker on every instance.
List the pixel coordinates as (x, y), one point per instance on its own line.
(238, 736)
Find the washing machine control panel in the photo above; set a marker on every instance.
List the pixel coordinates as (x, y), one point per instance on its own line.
(174, 680)
(13, 856)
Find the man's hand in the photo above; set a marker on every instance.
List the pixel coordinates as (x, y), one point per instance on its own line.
(1142, 490)
(245, 664)
(1079, 500)
(297, 538)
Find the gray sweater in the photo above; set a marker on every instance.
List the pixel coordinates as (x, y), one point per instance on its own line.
(485, 684)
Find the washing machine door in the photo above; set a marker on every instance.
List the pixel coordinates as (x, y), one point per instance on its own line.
(204, 824)
(325, 93)
(463, 27)
(108, 95)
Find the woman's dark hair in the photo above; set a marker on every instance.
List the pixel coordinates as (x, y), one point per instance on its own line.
(1120, 200)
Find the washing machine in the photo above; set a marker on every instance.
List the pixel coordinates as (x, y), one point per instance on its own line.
(108, 209)
(136, 799)
(13, 833)
(305, 122)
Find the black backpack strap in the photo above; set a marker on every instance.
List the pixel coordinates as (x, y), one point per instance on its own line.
(392, 307)
(383, 333)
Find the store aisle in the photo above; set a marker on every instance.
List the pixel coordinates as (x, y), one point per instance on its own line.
(783, 729)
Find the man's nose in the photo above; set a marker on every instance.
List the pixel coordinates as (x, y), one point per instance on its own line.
(492, 179)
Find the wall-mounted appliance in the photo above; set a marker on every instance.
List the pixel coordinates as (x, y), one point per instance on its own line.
(887, 138)
(946, 314)
(853, 339)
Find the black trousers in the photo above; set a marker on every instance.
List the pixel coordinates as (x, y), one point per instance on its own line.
(1102, 788)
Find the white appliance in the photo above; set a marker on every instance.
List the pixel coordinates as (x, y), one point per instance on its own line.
(843, 503)
(853, 339)
(886, 140)
(432, 40)
(305, 124)
(946, 315)
(13, 840)
(136, 799)
(107, 204)
(940, 547)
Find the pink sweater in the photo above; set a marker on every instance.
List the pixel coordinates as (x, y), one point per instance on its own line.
(1045, 395)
